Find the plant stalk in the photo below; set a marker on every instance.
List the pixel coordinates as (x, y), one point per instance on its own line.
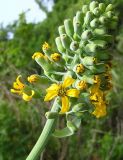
(45, 135)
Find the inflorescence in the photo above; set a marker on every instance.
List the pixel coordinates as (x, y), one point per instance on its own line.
(80, 69)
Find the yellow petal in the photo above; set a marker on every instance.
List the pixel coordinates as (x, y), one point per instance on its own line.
(67, 82)
(73, 93)
(16, 91)
(50, 95)
(18, 84)
(28, 97)
(37, 55)
(53, 87)
(65, 105)
(100, 110)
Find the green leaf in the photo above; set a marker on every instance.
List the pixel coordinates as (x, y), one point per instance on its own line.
(67, 131)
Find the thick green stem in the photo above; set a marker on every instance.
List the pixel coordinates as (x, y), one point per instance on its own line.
(45, 135)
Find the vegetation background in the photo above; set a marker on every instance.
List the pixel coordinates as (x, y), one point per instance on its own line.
(21, 122)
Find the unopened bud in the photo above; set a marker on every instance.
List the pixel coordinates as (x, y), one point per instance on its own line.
(77, 27)
(59, 45)
(69, 27)
(109, 8)
(88, 61)
(93, 5)
(109, 14)
(74, 45)
(102, 7)
(61, 30)
(86, 35)
(96, 11)
(65, 41)
(79, 17)
(85, 8)
(99, 32)
(91, 48)
(102, 19)
(88, 17)
(94, 23)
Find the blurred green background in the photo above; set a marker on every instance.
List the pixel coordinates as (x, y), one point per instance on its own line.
(21, 123)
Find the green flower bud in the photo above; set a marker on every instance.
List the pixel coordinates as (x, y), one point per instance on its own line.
(59, 45)
(91, 47)
(109, 14)
(65, 41)
(102, 19)
(94, 23)
(96, 11)
(51, 115)
(88, 61)
(85, 8)
(78, 107)
(99, 32)
(109, 7)
(77, 28)
(79, 16)
(100, 43)
(102, 7)
(74, 45)
(61, 30)
(93, 5)
(88, 17)
(86, 35)
(71, 126)
(69, 27)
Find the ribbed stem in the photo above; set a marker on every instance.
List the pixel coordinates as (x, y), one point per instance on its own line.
(44, 137)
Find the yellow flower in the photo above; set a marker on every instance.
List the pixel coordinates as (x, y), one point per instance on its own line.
(97, 98)
(33, 78)
(82, 85)
(45, 46)
(28, 97)
(100, 109)
(55, 57)
(96, 93)
(80, 68)
(38, 55)
(18, 86)
(60, 90)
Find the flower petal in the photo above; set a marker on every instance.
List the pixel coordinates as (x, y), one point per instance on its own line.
(68, 81)
(53, 87)
(16, 91)
(18, 84)
(73, 93)
(65, 105)
(27, 97)
(50, 95)
(100, 110)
